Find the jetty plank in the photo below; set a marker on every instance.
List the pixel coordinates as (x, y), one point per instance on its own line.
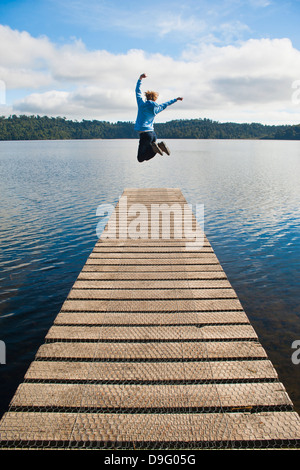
(129, 318)
(149, 430)
(154, 396)
(159, 371)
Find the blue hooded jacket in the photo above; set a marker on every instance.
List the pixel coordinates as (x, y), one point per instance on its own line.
(147, 110)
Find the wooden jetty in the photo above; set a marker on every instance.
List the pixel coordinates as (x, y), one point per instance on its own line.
(151, 349)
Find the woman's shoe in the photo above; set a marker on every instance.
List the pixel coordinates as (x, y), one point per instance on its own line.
(156, 148)
(164, 148)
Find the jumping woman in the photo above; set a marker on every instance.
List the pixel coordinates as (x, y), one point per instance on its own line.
(147, 110)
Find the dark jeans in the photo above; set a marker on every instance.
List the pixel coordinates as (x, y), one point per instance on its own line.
(145, 151)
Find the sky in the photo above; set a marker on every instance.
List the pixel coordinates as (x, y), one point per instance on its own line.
(231, 60)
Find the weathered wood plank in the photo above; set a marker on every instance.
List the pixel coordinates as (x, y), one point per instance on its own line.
(158, 333)
(159, 305)
(112, 318)
(151, 371)
(149, 244)
(207, 259)
(92, 283)
(152, 294)
(193, 269)
(141, 250)
(116, 275)
(141, 396)
(158, 351)
(170, 257)
(146, 427)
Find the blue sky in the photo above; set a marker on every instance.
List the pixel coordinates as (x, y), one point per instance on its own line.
(231, 60)
(156, 26)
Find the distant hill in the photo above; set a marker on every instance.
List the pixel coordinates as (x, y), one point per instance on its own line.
(288, 133)
(50, 128)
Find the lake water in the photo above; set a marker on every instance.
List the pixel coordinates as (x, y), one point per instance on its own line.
(50, 191)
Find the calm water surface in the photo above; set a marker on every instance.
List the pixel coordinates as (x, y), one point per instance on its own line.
(50, 191)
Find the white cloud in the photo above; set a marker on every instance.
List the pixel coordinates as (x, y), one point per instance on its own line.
(230, 31)
(91, 102)
(249, 81)
(50, 102)
(260, 3)
(20, 49)
(16, 78)
(179, 25)
(133, 18)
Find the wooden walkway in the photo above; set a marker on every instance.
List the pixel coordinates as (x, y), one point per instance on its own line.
(152, 349)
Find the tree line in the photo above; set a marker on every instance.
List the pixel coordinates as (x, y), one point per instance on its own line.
(54, 128)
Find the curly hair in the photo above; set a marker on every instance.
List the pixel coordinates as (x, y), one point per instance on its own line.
(151, 95)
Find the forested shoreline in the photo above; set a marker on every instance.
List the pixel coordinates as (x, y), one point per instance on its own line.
(55, 128)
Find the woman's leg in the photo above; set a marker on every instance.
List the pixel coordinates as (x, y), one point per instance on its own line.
(145, 151)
